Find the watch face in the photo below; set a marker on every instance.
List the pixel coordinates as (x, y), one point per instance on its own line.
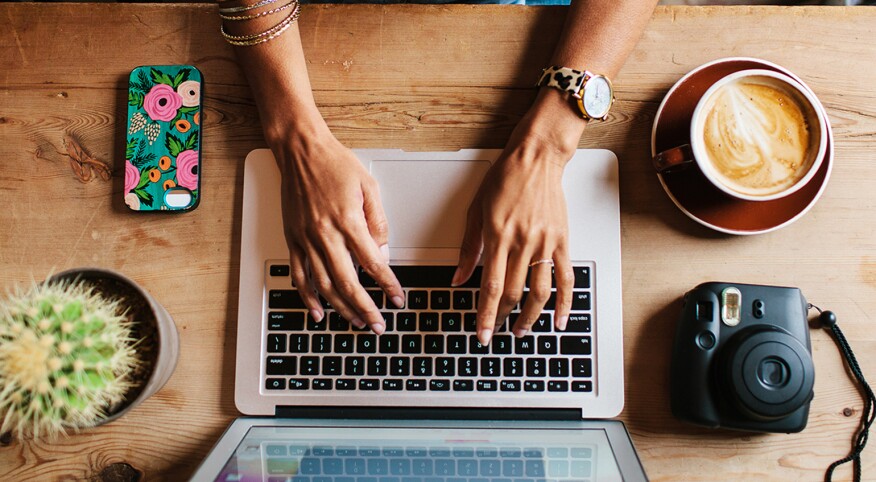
(597, 97)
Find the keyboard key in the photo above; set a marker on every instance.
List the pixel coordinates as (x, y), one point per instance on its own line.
(490, 367)
(491, 467)
(502, 344)
(536, 367)
(468, 367)
(440, 300)
(422, 367)
(322, 384)
(451, 322)
(275, 384)
(415, 385)
(513, 367)
(581, 453)
(369, 384)
(281, 365)
(322, 343)
(533, 386)
(534, 468)
(550, 304)
(434, 344)
(377, 466)
(285, 299)
(582, 276)
(276, 450)
(331, 365)
(299, 384)
(512, 468)
(463, 300)
(510, 385)
(432, 276)
(547, 345)
(456, 344)
(377, 366)
(377, 297)
(445, 467)
(366, 343)
(418, 300)
(337, 322)
(558, 367)
(309, 466)
(279, 270)
(400, 366)
(429, 321)
(392, 384)
(276, 343)
(580, 300)
(524, 345)
(286, 320)
(412, 344)
(558, 386)
(345, 384)
(582, 386)
(406, 321)
(420, 466)
(581, 468)
(439, 385)
(578, 323)
(388, 320)
(354, 366)
(543, 324)
(444, 367)
(309, 365)
(470, 322)
(299, 343)
(582, 368)
(400, 467)
(313, 325)
(467, 467)
(488, 385)
(463, 385)
(388, 343)
(343, 343)
(575, 345)
(475, 347)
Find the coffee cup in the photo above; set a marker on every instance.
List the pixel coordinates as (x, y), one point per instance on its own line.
(756, 135)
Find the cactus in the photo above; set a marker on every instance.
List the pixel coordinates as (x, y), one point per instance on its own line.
(66, 354)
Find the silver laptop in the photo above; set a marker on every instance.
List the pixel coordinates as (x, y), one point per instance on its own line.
(425, 402)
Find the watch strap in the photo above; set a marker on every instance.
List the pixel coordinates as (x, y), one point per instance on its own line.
(563, 78)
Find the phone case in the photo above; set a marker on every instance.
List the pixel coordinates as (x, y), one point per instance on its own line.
(163, 149)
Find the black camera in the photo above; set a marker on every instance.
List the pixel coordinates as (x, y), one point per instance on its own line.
(742, 358)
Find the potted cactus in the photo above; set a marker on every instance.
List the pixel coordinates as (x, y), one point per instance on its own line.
(79, 350)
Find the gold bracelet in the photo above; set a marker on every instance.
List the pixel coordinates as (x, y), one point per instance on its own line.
(270, 34)
(261, 14)
(244, 8)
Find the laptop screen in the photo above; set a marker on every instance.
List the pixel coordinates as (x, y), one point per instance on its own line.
(420, 454)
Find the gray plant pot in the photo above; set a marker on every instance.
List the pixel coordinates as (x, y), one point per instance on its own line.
(168, 337)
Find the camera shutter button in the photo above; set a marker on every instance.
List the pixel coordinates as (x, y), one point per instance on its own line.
(757, 309)
(706, 340)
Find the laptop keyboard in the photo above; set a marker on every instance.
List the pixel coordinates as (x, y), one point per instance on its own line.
(301, 463)
(430, 345)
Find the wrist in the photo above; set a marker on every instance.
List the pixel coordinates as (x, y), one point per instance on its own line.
(554, 119)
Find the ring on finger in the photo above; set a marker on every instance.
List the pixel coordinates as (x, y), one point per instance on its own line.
(537, 262)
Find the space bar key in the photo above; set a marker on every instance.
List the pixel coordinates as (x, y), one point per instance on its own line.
(424, 277)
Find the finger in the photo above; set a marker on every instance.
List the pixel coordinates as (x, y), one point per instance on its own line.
(298, 272)
(539, 293)
(472, 245)
(346, 285)
(515, 278)
(565, 284)
(322, 281)
(492, 286)
(375, 217)
(372, 262)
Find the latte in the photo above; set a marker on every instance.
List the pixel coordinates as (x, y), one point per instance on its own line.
(758, 138)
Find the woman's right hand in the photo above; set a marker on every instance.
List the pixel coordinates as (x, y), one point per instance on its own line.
(333, 220)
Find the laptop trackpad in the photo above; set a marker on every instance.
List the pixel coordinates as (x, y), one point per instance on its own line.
(426, 201)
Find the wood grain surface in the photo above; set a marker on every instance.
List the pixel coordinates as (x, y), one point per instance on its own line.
(425, 77)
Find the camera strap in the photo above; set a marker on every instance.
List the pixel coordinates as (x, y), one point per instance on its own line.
(828, 322)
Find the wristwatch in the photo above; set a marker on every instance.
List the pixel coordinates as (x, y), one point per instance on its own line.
(593, 92)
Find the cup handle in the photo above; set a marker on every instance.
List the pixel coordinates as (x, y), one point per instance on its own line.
(674, 159)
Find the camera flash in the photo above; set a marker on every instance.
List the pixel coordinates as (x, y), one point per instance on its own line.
(731, 300)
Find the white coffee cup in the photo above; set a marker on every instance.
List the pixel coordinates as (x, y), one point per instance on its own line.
(757, 135)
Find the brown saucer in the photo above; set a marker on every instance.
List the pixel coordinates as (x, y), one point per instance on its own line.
(693, 193)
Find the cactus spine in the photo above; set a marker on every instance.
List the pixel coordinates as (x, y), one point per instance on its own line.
(66, 353)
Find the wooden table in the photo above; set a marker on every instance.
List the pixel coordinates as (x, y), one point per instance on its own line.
(423, 78)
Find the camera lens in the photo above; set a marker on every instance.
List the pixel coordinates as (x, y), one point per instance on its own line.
(770, 374)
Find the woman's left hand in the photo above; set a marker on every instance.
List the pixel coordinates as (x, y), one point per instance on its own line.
(518, 222)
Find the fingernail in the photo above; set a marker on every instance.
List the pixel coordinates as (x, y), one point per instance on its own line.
(358, 323)
(561, 322)
(384, 250)
(316, 315)
(520, 332)
(378, 328)
(455, 281)
(398, 301)
(484, 336)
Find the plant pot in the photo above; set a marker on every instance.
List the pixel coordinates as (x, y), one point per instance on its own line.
(158, 331)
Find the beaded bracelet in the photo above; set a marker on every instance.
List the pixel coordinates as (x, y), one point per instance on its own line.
(261, 14)
(244, 8)
(269, 34)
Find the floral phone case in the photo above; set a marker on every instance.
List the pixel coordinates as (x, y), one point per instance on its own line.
(163, 149)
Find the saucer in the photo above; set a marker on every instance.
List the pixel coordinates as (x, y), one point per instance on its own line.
(689, 189)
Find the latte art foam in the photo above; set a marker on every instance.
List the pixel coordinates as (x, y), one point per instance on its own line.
(757, 137)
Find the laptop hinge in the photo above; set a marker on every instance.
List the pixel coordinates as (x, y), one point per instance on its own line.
(414, 413)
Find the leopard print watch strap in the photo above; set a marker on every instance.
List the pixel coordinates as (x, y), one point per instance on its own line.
(563, 78)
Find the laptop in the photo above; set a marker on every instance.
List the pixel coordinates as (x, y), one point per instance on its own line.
(425, 401)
